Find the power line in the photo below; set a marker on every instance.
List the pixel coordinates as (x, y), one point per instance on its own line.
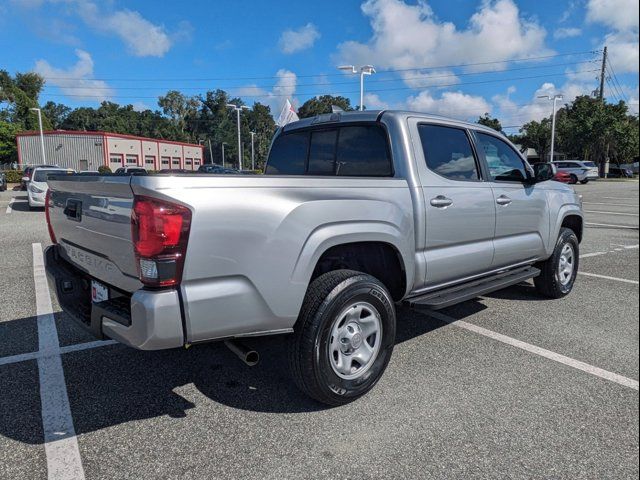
(415, 69)
(615, 79)
(350, 92)
(299, 85)
(613, 89)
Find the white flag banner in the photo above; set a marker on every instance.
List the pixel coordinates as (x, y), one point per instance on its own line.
(287, 115)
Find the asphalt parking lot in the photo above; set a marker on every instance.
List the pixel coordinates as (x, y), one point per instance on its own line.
(505, 386)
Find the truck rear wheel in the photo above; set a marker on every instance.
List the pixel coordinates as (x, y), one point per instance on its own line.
(344, 337)
(558, 273)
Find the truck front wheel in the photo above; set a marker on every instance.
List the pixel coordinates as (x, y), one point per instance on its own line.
(344, 337)
(559, 272)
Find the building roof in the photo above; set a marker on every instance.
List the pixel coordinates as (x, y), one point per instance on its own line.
(102, 134)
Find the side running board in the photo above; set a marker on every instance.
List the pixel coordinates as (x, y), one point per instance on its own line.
(467, 291)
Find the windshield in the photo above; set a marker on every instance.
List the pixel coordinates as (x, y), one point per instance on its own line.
(41, 175)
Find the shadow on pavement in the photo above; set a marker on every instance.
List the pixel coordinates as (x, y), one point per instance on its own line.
(115, 384)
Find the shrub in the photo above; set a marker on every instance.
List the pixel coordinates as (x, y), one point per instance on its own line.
(13, 176)
(102, 169)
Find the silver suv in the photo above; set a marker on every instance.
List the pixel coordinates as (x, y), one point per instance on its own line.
(578, 170)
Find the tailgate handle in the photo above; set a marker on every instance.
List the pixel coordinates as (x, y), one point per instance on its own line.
(73, 210)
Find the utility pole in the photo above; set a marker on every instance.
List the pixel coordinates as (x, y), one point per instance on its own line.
(603, 72)
(210, 151)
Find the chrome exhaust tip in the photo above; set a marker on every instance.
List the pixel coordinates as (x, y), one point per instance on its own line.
(244, 353)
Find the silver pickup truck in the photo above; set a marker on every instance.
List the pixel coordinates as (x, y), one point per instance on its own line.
(356, 212)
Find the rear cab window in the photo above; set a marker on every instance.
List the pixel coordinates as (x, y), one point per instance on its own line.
(360, 150)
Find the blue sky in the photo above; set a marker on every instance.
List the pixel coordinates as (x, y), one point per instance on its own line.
(131, 52)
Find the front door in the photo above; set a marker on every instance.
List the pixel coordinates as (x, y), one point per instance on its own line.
(522, 213)
(459, 205)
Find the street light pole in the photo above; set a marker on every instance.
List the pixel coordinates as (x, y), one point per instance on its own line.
(39, 112)
(238, 110)
(555, 99)
(253, 161)
(364, 70)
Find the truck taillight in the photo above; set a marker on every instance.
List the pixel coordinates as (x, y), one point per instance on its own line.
(160, 232)
(47, 215)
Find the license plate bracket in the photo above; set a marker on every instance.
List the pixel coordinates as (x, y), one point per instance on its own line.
(99, 292)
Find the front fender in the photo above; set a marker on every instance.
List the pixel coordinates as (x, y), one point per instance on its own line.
(565, 211)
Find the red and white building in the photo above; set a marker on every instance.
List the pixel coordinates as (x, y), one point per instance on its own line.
(84, 151)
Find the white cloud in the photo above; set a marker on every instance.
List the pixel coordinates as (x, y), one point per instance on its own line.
(74, 80)
(411, 36)
(566, 32)
(624, 54)
(142, 38)
(292, 41)
(618, 14)
(373, 102)
(284, 88)
(451, 104)
(622, 17)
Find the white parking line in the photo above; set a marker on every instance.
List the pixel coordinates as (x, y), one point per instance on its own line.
(621, 249)
(77, 347)
(611, 204)
(9, 207)
(605, 277)
(556, 357)
(613, 213)
(60, 441)
(594, 254)
(625, 227)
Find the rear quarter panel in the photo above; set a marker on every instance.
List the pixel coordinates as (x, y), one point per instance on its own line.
(254, 241)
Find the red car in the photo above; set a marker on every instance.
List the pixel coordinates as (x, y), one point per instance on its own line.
(562, 177)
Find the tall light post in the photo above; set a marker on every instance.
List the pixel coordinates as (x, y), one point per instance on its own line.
(238, 110)
(37, 110)
(253, 160)
(223, 144)
(364, 70)
(555, 99)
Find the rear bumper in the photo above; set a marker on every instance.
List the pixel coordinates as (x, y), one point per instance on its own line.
(146, 320)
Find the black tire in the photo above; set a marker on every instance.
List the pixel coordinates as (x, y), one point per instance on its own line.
(584, 182)
(309, 357)
(574, 179)
(548, 282)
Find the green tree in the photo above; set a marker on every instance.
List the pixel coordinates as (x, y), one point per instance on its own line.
(56, 113)
(8, 151)
(488, 121)
(537, 135)
(178, 107)
(322, 104)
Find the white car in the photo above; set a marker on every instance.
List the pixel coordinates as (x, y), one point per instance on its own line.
(578, 170)
(37, 186)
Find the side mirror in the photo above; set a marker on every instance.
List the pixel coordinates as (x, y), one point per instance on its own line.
(544, 171)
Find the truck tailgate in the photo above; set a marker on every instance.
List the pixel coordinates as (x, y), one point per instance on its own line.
(91, 219)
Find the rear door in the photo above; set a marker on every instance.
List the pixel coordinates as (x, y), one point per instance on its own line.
(459, 205)
(522, 213)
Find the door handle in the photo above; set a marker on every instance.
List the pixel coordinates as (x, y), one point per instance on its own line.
(441, 201)
(503, 200)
